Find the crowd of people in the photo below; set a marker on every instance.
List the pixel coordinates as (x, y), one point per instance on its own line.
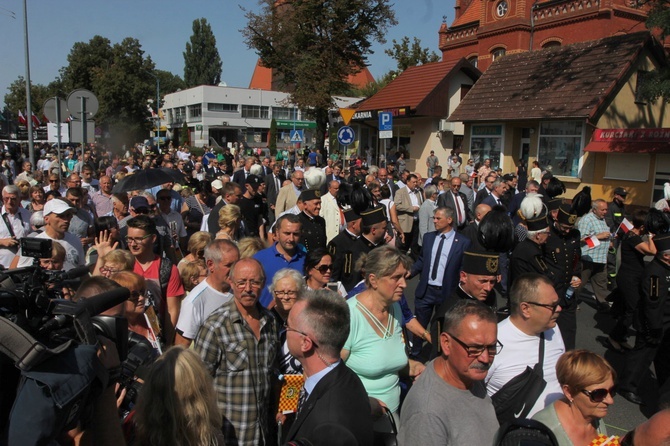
(272, 293)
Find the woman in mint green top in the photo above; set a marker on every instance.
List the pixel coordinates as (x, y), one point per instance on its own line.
(587, 381)
(375, 349)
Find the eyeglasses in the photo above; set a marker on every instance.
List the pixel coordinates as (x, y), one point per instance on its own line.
(551, 307)
(137, 240)
(287, 295)
(135, 295)
(599, 395)
(108, 270)
(243, 283)
(323, 268)
(474, 351)
(287, 328)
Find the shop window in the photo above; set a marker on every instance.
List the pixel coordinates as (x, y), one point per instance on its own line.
(486, 143)
(641, 78)
(560, 146)
(627, 166)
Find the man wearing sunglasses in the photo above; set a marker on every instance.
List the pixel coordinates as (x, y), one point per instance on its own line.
(534, 308)
(448, 405)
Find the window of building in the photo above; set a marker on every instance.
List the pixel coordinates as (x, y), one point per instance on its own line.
(641, 78)
(255, 112)
(284, 113)
(473, 61)
(255, 135)
(486, 143)
(195, 112)
(180, 114)
(231, 108)
(497, 53)
(551, 44)
(561, 146)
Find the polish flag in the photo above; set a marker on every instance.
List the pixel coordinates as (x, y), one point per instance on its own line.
(22, 118)
(36, 121)
(592, 241)
(626, 226)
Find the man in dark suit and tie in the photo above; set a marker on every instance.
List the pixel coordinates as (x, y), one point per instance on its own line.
(439, 265)
(213, 171)
(333, 408)
(497, 191)
(330, 176)
(457, 201)
(265, 164)
(241, 175)
(486, 190)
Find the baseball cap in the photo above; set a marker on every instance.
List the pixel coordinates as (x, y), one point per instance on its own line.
(139, 202)
(254, 180)
(620, 191)
(57, 207)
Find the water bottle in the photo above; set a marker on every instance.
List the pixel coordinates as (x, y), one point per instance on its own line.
(569, 293)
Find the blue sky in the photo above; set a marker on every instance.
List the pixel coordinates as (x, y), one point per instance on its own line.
(163, 27)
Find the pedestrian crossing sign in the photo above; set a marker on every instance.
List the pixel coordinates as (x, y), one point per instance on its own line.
(296, 135)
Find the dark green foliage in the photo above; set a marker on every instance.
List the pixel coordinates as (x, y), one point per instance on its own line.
(202, 63)
(272, 137)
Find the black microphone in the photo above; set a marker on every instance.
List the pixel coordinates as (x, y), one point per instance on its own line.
(104, 301)
(77, 272)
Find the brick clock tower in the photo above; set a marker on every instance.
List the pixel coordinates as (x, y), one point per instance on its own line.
(484, 30)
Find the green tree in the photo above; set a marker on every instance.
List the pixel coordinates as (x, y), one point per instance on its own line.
(169, 82)
(272, 136)
(202, 63)
(313, 46)
(406, 56)
(83, 61)
(657, 82)
(185, 140)
(15, 99)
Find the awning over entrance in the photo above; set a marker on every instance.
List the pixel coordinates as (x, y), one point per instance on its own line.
(628, 147)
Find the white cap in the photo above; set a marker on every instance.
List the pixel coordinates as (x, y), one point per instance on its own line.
(56, 206)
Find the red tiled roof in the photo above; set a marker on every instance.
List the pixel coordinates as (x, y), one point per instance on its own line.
(472, 14)
(262, 77)
(413, 85)
(566, 82)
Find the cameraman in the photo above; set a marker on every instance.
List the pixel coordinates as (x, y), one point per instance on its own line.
(57, 215)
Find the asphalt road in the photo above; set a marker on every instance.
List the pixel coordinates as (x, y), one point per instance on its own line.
(623, 415)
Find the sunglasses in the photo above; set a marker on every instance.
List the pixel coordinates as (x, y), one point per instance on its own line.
(599, 395)
(323, 268)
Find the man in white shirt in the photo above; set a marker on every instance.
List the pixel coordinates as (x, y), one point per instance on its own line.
(57, 216)
(210, 294)
(15, 224)
(534, 307)
(330, 211)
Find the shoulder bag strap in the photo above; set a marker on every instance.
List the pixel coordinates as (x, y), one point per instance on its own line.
(540, 363)
(9, 225)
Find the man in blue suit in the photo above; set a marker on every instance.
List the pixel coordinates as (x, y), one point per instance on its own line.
(439, 265)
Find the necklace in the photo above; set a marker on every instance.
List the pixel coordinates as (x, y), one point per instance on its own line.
(384, 330)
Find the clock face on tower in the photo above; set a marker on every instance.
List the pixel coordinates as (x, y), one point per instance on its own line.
(501, 8)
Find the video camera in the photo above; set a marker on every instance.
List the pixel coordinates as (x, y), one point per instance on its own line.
(53, 342)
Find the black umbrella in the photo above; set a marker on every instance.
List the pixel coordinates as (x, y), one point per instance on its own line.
(148, 178)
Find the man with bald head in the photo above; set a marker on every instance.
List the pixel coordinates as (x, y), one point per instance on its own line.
(471, 230)
(103, 198)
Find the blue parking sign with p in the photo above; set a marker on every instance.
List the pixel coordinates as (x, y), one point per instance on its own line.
(385, 121)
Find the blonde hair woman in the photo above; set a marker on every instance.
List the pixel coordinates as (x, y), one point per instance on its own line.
(229, 222)
(196, 247)
(192, 274)
(177, 404)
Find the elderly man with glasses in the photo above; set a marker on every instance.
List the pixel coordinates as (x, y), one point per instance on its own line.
(531, 327)
(238, 344)
(448, 405)
(288, 195)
